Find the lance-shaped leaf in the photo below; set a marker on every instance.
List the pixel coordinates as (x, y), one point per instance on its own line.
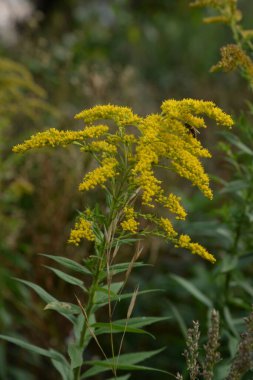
(45, 296)
(67, 263)
(58, 360)
(195, 292)
(63, 307)
(67, 278)
(133, 325)
(123, 362)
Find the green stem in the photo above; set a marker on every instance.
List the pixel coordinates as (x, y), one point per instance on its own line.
(95, 283)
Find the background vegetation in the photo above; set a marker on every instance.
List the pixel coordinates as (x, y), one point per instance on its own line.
(71, 55)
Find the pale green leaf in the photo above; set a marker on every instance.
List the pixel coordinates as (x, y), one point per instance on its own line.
(67, 278)
(63, 307)
(61, 364)
(133, 325)
(70, 264)
(45, 296)
(76, 355)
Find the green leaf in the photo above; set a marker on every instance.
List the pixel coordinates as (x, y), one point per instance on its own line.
(125, 362)
(76, 355)
(63, 307)
(235, 186)
(133, 325)
(70, 264)
(122, 367)
(124, 296)
(126, 377)
(123, 267)
(106, 328)
(228, 264)
(195, 292)
(67, 278)
(45, 296)
(229, 320)
(30, 347)
(245, 286)
(233, 139)
(102, 292)
(179, 319)
(61, 365)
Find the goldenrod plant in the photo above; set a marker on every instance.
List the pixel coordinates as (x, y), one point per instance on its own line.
(237, 55)
(127, 150)
(19, 93)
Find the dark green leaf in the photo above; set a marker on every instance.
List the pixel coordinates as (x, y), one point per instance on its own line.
(30, 347)
(195, 292)
(229, 320)
(125, 361)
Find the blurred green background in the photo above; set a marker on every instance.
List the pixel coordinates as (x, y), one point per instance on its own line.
(75, 54)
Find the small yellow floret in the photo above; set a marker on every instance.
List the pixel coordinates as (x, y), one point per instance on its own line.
(82, 230)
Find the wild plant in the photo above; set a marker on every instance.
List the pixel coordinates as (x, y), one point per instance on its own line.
(127, 151)
(228, 287)
(205, 367)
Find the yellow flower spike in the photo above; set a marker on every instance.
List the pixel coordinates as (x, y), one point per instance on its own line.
(82, 230)
(168, 228)
(121, 115)
(100, 175)
(52, 137)
(172, 202)
(175, 108)
(130, 224)
(102, 146)
(184, 241)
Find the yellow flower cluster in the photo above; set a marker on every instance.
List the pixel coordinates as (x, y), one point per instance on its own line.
(130, 224)
(184, 241)
(121, 115)
(52, 137)
(102, 146)
(100, 175)
(172, 202)
(232, 56)
(186, 109)
(161, 141)
(166, 225)
(82, 230)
